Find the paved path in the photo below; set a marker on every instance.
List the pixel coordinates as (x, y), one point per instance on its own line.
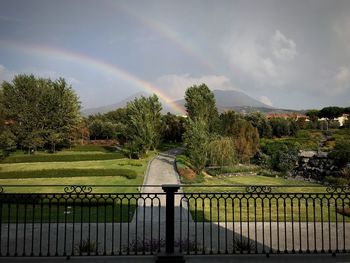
(161, 170)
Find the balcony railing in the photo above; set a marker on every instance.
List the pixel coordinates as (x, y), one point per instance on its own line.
(187, 219)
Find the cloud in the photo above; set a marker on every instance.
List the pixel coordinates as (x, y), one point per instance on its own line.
(265, 100)
(176, 85)
(5, 74)
(342, 80)
(8, 75)
(261, 59)
(282, 47)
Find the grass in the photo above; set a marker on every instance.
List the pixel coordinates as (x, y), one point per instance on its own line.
(214, 171)
(66, 156)
(233, 203)
(44, 174)
(44, 211)
(127, 173)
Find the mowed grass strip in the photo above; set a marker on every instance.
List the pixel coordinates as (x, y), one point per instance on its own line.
(127, 173)
(306, 202)
(62, 157)
(265, 208)
(102, 184)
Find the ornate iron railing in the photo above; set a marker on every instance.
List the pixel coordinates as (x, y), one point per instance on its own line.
(189, 219)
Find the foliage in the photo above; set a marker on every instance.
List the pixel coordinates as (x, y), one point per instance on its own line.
(330, 112)
(7, 143)
(246, 137)
(233, 169)
(58, 173)
(221, 152)
(42, 112)
(99, 129)
(185, 171)
(143, 125)
(280, 127)
(200, 105)
(196, 140)
(259, 121)
(173, 127)
(284, 155)
(341, 152)
(39, 157)
(336, 180)
(86, 246)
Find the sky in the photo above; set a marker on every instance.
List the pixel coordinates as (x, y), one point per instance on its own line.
(287, 54)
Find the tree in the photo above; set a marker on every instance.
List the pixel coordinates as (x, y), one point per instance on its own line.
(228, 121)
(196, 139)
(144, 124)
(173, 127)
(244, 134)
(313, 116)
(222, 152)
(43, 112)
(259, 121)
(280, 127)
(341, 152)
(200, 105)
(246, 140)
(283, 155)
(330, 112)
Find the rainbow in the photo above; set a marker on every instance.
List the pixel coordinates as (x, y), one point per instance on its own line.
(103, 66)
(166, 32)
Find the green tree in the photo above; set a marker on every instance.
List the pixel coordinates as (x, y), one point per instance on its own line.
(200, 105)
(283, 156)
(341, 152)
(244, 134)
(246, 140)
(42, 111)
(222, 152)
(196, 139)
(173, 127)
(144, 124)
(331, 112)
(280, 127)
(259, 121)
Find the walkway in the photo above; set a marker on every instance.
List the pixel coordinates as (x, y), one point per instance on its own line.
(161, 170)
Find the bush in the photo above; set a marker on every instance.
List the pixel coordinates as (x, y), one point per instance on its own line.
(284, 155)
(336, 180)
(53, 173)
(341, 152)
(51, 157)
(214, 171)
(185, 171)
(86, 246)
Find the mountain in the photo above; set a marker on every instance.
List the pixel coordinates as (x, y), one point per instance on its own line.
(225, 100)
(233, 100)
(110, 107)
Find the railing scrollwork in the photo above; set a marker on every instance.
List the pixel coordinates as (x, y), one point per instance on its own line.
(78, 189)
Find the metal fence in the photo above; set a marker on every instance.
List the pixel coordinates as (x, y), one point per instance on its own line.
(81, 220)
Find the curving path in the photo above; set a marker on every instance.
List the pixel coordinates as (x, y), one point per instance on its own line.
(161, 170)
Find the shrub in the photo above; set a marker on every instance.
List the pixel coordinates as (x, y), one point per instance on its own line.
(336, 180)
(341, 152)
(86, 246)
(244, 245)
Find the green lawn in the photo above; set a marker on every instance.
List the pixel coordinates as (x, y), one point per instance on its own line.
(64, 156)
(85, 165)
(306, 201)
(45, 174)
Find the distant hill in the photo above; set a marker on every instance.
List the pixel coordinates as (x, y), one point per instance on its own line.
(110, 107)
(231, 99)
(225, 100)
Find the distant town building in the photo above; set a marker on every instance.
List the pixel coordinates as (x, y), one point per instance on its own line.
(294, 116)
(342, 119)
